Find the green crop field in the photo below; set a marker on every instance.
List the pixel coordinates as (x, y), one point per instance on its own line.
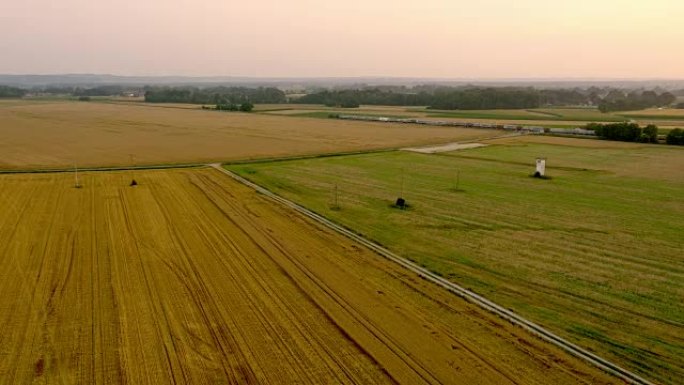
(548, 117)
(596, 253)
(542, 114)
(326, 114)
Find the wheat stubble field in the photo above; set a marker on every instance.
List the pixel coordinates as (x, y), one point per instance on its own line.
(192, 278)
(61, 133)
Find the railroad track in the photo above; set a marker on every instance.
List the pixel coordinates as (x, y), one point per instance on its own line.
(460, 291)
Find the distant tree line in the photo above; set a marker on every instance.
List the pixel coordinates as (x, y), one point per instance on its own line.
(486, 99)
(444, 98)
(244, 107)
(11, 92)
(99, 91)
(224, 96)
(353, 98)
(618, 101)
(103, 90)
(625, 132)
(675, 137)
(432, 95)
(478, 98)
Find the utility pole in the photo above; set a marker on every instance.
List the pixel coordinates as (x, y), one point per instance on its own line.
(336, 205)
(133, 182)
(77, 184)
(458, 180)
(336, 202)
(401, 192)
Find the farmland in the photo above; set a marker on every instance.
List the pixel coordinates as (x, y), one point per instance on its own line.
(190, 277)
(38, 133)
(551, 117)
(594, 253)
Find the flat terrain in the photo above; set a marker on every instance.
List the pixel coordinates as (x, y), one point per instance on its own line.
(548, 117)
(191, 278)
(60, 133)
(596, 253)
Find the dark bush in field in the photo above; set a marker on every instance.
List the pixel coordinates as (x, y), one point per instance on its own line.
(11, 92)
(675, 137)
(625, 132)
(246, 107)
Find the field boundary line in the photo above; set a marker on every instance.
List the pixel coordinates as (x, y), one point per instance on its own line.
(96, 169)
(454, 288)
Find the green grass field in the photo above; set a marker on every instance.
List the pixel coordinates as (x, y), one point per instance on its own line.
(596, 253)
(548, 117)
(542, 114)
(326, 114)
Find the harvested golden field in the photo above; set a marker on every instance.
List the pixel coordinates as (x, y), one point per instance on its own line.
(58, 134)
(190, 278)
(674, 113)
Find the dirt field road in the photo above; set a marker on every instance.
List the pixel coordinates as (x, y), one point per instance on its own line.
(191, 278)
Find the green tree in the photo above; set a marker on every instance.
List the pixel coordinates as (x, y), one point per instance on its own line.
(675, 137)
(246, 107)
(666, 99)
(11, 92)
(625, 132)
(650, 134)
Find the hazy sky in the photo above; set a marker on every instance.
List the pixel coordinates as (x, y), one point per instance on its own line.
(408, 38)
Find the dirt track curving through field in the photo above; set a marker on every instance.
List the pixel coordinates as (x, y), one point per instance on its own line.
(191, 278)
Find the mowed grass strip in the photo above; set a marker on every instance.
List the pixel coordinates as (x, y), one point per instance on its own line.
(542, 114)
(596, 253)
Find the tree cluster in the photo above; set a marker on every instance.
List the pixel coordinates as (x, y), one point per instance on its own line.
(618, 101)
(244, 107)
(443, 98)
(11, 92)
(224, 96)
(98, 91)
(486, 98)
(675, 137)
(353, 98)
(479, 98)
(625, 132)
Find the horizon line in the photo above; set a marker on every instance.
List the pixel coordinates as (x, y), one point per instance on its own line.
(252, 77)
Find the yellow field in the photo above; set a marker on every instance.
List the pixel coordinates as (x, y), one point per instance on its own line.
(656, 112)
(59, 133)
(190, 278)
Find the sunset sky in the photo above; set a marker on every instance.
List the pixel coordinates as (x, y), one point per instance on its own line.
(307, 38)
